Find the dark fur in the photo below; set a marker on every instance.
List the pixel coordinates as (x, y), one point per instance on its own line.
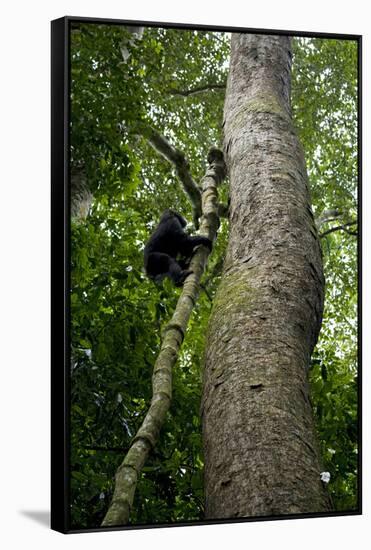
(169, 249)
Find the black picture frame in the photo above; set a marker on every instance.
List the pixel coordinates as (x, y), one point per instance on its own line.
(60, 265)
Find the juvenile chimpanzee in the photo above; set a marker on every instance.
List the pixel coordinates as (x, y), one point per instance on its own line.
(169, 249)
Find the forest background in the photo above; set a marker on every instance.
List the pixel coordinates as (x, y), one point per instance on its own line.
(174, 81)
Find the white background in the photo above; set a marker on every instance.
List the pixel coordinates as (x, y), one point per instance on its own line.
(25, 165)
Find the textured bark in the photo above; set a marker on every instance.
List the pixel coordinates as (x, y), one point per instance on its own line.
(128, 472)
(261, 455)
(81, 196)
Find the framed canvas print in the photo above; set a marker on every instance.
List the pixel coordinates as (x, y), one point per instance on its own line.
(205, 274)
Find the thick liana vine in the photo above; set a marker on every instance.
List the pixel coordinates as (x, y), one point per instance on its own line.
(127, 474)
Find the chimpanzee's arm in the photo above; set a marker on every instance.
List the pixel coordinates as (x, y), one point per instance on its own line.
(188, 244)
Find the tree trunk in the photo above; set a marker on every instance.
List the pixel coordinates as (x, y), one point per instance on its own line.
(81, 196)
(261, 454)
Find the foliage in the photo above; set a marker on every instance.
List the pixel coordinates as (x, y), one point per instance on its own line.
(325, 108)
(117, 314)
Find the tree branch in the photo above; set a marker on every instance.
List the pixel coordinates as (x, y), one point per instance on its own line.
(162, 146)
(327, 216)
(106, 449)
(128, 472)
(223, 210)
(198, 90)
(340, 228)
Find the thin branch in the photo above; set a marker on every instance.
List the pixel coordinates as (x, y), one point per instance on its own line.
(198, 90)
(162, 146)
(340, 228)
(354, 233)
(107, 449)
(223, 210)
(327, 216)
(215, 271)
(203, 287)
(145, 440)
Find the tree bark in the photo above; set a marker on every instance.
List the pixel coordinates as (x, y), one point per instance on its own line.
(81, 196)
(261, 454)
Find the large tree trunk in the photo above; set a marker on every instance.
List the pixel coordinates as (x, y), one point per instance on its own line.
(261, 455)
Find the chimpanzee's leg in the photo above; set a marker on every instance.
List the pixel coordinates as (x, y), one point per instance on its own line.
(176, 273)
(160, 265)
(156, 263)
